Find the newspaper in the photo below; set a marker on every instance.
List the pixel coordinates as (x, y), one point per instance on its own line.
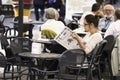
(66, 40)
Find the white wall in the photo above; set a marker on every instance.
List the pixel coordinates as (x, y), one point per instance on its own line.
(76, 6)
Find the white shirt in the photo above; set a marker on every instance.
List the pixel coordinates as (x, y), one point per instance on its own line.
(91, 41)
(114, 29)
(56, 26)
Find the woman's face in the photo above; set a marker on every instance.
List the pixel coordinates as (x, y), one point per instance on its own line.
(86, 26)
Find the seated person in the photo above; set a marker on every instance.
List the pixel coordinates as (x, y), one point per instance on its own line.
(114, 28)
(52, 27)
(96, 10)
(93, 37)
(105, 22)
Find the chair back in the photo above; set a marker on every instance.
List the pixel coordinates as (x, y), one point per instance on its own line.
(15, 24)
(110, 45)
(71, 59)
(2, 18)
(94, 60)
(20, 44)
(2, 27)
(97, 53)
(11, 33)
(4, 42)
(3, 60)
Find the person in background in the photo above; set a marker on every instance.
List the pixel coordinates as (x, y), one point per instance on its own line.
(54, 3)
(113, 1)
(52, 22)
(51, 28)
(27, 7)
(114, 28)
(96, 10)
(39, 4)
(105, 22)
(93, 37)
(59, 5)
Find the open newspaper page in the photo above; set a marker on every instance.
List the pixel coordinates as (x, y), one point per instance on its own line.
(66, 40)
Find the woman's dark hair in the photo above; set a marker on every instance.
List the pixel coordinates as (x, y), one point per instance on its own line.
(117, 13)
(92, 19)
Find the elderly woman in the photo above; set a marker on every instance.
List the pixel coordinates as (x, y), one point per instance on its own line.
(52, 24)
(93, 37)
(52, 27)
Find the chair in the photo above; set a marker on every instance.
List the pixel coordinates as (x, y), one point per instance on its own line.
(94, 60)
(5, 45)
(11, 33)
(11, 74)
(2, 28)
(111, 40)
(25, 26)
(13, 49)
(70, 64)
(19, 45)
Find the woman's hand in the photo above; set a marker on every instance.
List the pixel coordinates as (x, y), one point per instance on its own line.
(75, 36)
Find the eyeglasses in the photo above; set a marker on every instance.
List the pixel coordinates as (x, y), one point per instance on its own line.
(108, 10)
(85, 24)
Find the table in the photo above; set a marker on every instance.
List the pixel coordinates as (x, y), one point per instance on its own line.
(30, 25)
(42, 56)
(45, 41)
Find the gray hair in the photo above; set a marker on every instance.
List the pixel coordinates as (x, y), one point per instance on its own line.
(110, 6)
(51, 13)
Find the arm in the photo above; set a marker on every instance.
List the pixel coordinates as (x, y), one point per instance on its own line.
(79, 39)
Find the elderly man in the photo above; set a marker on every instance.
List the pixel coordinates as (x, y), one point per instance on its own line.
(105, 22)
(114, 28)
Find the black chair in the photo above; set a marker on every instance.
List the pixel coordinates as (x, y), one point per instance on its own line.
(13, 49)
(2, 28)
(6, 46)
(11, 33)
(70, 64)
(25, 26)
(106, 57)
(94, 60)
(8, 74)
(19, 45)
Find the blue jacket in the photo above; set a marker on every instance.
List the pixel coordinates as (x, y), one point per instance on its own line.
(39, 2)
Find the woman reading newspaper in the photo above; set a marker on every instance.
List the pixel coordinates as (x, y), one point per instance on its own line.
(93, 36)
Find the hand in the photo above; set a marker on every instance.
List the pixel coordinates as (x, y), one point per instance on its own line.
(75, 35)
